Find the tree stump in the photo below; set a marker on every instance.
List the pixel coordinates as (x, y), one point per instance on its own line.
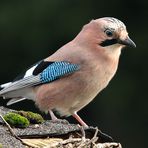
(49, 134)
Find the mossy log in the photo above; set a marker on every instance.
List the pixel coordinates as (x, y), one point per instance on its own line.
(49, 134)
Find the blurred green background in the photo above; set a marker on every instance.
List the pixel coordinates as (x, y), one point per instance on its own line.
(31, 30)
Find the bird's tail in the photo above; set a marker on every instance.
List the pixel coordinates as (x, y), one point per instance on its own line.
(13, 100)
(4, 85)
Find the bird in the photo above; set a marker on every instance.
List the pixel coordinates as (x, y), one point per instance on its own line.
(71, 78)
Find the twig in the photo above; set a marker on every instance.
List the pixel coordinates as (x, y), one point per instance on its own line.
(108, 145)
(9, 128)
(70, 140)
(94, 138)
(83, 131)
(83, 139)
(13, 133)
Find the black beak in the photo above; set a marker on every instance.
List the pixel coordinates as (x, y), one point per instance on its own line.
(128, 42)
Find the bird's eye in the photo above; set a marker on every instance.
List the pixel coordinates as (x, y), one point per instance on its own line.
(109, 33)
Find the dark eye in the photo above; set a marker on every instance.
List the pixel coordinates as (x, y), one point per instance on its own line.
(109, 33)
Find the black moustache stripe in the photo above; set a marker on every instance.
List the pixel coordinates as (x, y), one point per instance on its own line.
(109, 42)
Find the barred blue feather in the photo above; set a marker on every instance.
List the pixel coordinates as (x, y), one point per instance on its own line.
(57, 70)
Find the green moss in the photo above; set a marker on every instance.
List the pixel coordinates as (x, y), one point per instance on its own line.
(16, 120)
(32, 117)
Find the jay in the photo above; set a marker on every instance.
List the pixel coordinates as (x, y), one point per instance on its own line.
(69, 79)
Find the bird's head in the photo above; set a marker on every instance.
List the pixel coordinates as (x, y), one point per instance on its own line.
(112, 32)
(107, 33)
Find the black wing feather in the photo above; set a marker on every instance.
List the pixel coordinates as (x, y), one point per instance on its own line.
(41, 65)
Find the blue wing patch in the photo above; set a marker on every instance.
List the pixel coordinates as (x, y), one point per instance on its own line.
(57, 70)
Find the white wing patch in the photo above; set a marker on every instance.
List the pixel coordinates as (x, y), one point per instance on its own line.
(5, 85)
(29, 72)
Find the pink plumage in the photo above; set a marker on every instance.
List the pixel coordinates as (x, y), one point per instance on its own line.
(96, 49)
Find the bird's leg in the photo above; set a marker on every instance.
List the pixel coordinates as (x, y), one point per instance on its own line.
(53, 117)
(77, 117)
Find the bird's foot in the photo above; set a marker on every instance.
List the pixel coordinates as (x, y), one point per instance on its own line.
(77, 117)
(56, 120)
(61, 121)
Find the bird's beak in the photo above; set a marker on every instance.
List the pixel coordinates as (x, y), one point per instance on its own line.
(128, 42)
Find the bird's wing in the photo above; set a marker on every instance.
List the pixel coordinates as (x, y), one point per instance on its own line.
(33, 70)
(42, 73)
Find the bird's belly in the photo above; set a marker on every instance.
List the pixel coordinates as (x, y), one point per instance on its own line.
(71, 93)
(87, 91)
(81, 93)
